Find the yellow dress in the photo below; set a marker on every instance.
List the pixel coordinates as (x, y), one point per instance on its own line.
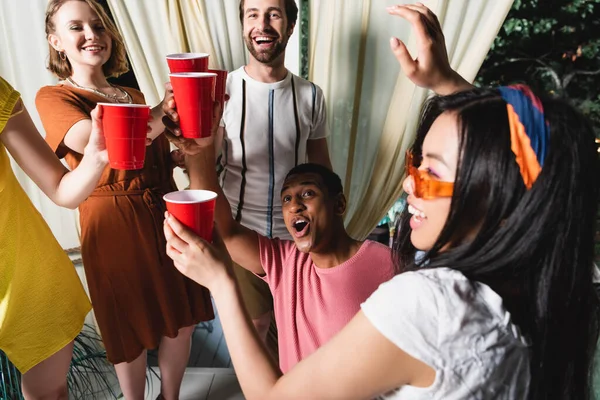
(42, 302)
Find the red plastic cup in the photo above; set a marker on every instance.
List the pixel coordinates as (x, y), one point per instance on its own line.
(220, 84)
(194, 94)
(194, 209)
(125, 128)
(187, 62)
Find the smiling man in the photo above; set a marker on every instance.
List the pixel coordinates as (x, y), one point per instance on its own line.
(273, 121)
(318, 279)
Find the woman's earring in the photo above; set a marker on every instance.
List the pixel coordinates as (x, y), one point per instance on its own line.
(62, 55)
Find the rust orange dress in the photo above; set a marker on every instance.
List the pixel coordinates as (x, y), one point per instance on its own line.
(137, 294)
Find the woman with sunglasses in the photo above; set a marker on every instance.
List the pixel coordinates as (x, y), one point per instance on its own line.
(502, 192)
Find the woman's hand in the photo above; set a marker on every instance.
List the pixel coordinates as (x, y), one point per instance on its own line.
(207, 264)
(96, 147)
(431, 68)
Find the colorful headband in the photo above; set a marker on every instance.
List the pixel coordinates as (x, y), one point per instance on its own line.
(529, 132)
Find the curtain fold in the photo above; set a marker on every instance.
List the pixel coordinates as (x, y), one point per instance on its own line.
(371, 120)
(226, 32)
(372, 107)
(176, 26)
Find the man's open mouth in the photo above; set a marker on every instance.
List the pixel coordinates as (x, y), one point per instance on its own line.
(300, 227)
(264, 41)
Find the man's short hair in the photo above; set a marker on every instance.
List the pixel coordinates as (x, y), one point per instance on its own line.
(291, 12)
(330, 179)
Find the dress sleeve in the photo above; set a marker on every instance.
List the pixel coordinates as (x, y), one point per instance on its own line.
(59, 110)
(405, 310)
(8, 99)
(319, 129)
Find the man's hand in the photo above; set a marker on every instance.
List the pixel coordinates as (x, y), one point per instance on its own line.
(431, 68)
(173, 132)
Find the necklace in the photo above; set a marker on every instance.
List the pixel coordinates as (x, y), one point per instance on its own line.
(123, 98)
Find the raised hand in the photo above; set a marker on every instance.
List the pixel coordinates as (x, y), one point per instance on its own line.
(431, 68)
(205, 263)
(173, 132)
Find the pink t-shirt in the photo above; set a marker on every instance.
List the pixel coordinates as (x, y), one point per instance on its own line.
(313, 304)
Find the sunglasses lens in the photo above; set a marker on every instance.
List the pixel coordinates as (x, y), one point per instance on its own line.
(418, 184)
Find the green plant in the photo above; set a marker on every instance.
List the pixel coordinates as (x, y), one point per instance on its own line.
(10, 379)
(89, 373)
(554, 46)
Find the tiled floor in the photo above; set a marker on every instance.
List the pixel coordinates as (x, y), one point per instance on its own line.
(204, 384)
(209, 375)
(198, 384)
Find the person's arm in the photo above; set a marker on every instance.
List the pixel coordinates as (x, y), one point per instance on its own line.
(358, 363)
(67, 189)
(431, 68)
(200, 162)
(318, 152)
(241, 242)
(78, 135)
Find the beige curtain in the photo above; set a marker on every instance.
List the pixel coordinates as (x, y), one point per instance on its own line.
(372, 107)
(152, 32)
(153, 29)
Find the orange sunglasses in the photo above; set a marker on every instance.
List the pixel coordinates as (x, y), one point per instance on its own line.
(425, 187)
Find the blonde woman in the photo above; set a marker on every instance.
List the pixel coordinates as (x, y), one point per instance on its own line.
(140, 300)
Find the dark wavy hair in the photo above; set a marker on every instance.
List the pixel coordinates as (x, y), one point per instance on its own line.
(534, 247)
(117, 63)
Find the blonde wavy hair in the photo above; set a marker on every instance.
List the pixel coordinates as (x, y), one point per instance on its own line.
(116, 64)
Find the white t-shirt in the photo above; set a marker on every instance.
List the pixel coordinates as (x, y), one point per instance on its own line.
(267, 126)
(459, 328)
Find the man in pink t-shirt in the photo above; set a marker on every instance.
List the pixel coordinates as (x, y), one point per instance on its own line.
(319, 279)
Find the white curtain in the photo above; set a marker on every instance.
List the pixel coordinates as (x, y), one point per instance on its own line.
(23, 65)
(153, 29)
(372, 108)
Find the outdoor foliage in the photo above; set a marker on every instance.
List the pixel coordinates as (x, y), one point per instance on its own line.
(554, 46)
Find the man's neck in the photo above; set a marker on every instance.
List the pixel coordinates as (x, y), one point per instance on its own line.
(266, 73)
(341, 249)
